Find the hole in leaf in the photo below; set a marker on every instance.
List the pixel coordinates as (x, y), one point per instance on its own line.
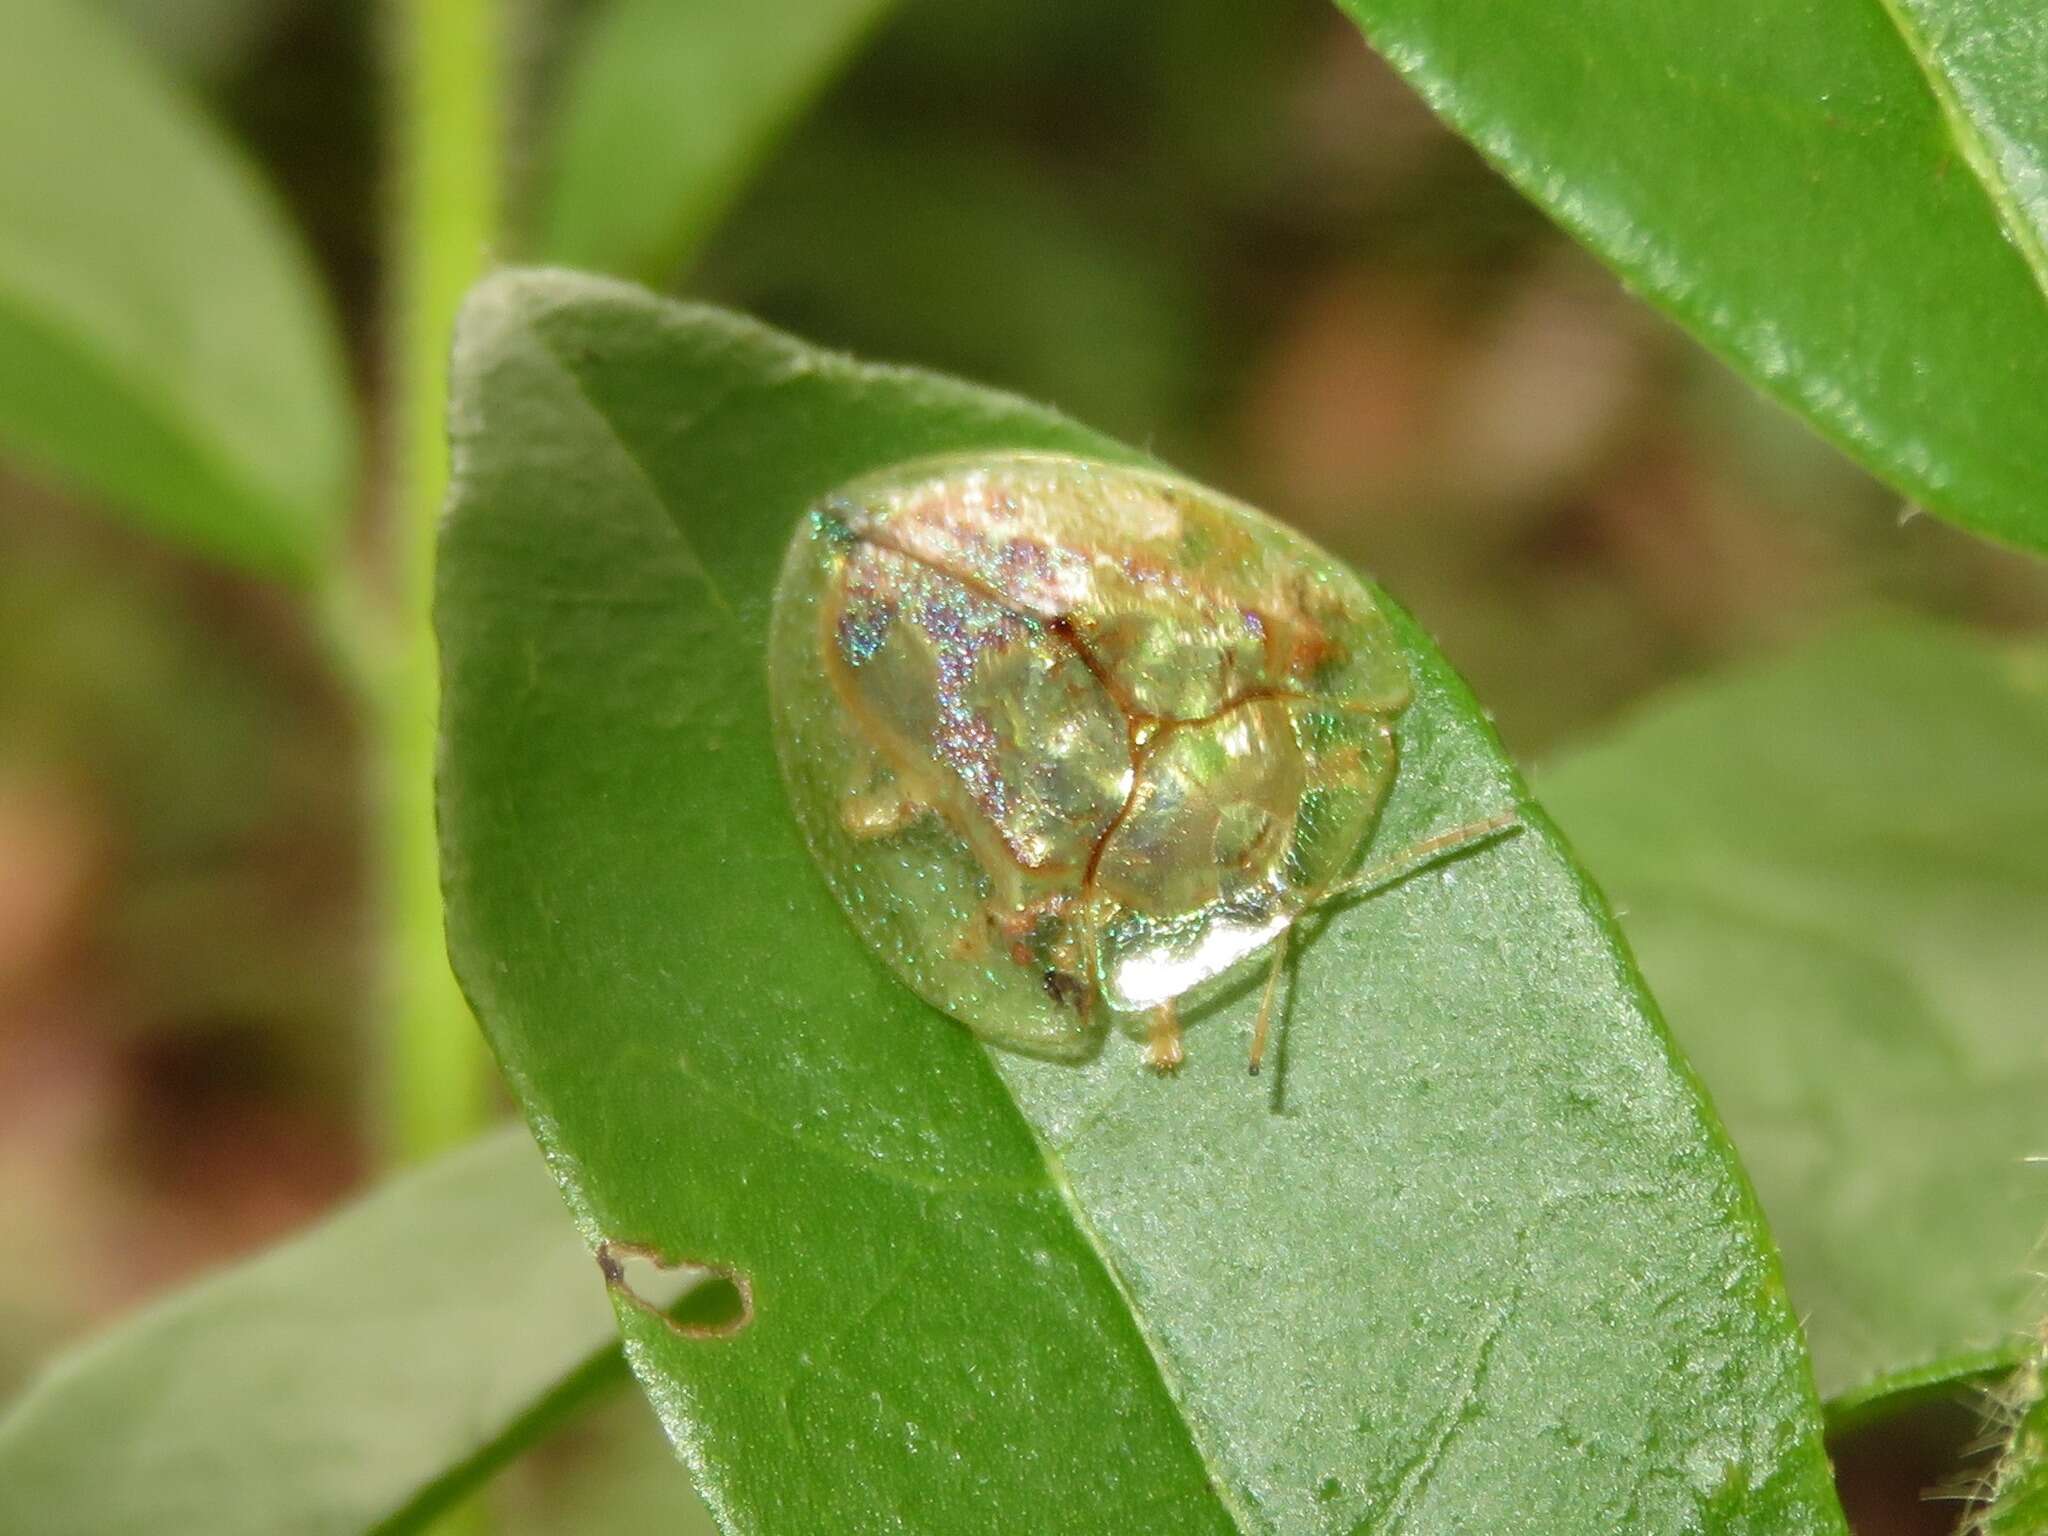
(695, 1301)
(1912, 1471)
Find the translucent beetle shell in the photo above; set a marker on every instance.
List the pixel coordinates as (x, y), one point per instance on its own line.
(1070, 740)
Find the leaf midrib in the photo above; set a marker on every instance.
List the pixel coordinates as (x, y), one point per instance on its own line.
(1055, 1167)
(1969, 143)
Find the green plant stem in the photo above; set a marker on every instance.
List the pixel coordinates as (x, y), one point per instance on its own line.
(447, 134)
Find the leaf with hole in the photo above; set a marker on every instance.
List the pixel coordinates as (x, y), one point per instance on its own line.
(1473, 1255)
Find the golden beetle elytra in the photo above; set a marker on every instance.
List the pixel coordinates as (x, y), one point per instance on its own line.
(1070, 740)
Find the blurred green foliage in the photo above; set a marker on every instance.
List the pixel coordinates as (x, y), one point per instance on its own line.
(1832, 867)
(356, 1379)
(662, 112)
(163, 339)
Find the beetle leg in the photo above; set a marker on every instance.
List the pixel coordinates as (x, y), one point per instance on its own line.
(878, 815)
(1163, 1051)
(1431, 850)
(1266, 1002)
(875, 804)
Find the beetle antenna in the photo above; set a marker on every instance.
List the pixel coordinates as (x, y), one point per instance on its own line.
(1266, 1002)
(1431, 850)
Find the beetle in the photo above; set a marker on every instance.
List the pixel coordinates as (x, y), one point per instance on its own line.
(1070, 739)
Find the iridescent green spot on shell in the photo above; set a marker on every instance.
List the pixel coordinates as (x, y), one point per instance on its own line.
(1070, 740)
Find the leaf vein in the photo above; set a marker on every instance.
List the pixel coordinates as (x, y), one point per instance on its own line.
(1969, 142)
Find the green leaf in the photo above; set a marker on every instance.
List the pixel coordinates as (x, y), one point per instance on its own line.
(200, 39)
(1474, 1258)
(1801, 189)
(163, 342)
(1835, 871)
(1987, 63)
(356, 1379)
(667, 106)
